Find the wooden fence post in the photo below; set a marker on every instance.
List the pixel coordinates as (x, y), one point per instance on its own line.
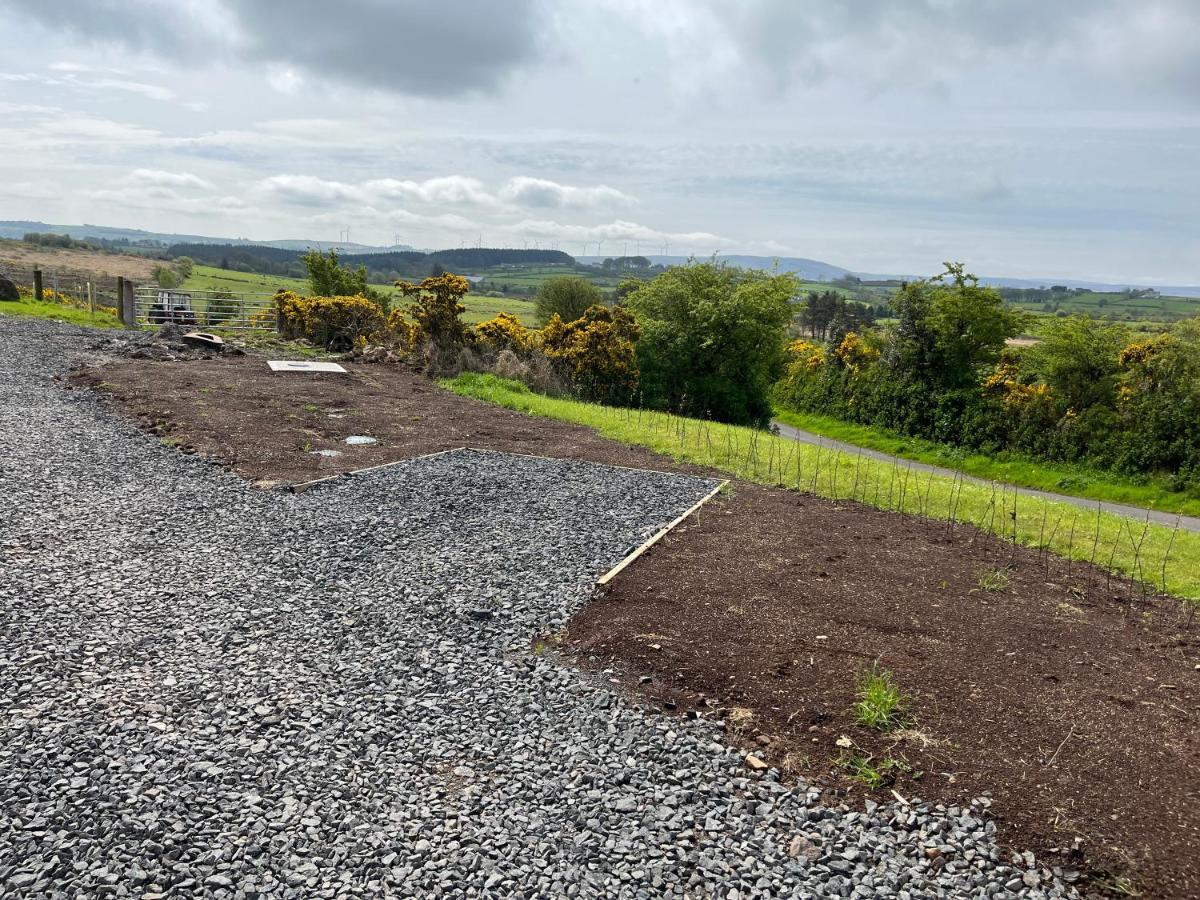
(121, 299)
(128, 304)
(37, 285)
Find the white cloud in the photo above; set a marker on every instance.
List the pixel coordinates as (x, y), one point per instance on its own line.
(543, 193)
(308, 190)
(411, 46)
(450, 189)
(285, 79)
(621, 231)
(157, 177)
(446, 190)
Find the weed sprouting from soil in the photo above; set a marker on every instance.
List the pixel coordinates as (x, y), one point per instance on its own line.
(738, 719)
(994, 580)
(880, 704)
(1117, 885)
(864, 769)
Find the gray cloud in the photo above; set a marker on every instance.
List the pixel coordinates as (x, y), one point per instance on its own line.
(410, 46)
(1146, 44)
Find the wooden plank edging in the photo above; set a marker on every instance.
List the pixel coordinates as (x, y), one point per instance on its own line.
(658, 536)
(607, 576)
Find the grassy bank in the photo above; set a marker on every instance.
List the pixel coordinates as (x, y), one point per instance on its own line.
(31, 309)
(1076, 481)
(1158, 554)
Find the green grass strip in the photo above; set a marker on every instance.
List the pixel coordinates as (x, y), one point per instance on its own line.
(1076, 481)
(31, 309)
(1166, 557)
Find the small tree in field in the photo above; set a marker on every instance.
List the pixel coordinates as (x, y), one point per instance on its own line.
(327, 277)
(165, 278)
(568, 297)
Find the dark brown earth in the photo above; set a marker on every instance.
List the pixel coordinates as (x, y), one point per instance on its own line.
(1068, 700)
(1071, 702)
(264, 425)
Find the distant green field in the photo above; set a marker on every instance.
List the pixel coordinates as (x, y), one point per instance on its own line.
(1123, 307)
(527, 279)
(210, 278)
(479, 308)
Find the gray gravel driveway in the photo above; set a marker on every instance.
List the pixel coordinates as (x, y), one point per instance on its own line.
(208, 690)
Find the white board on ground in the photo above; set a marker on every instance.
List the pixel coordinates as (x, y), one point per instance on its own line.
(303, 365)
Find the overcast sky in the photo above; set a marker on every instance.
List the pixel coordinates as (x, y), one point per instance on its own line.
(1027, 138)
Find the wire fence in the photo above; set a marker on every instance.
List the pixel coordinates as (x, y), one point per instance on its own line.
(74, 288)
(151, 306)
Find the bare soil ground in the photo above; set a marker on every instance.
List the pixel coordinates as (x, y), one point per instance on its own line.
(266, 426)
(1069, 699)
(76, 262)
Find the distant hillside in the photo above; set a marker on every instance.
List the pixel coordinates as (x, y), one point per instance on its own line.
(808, 269)
(381, 267)
(136, 236)
(1035, 283)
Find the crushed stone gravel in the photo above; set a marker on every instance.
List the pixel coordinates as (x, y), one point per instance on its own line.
(212, 691)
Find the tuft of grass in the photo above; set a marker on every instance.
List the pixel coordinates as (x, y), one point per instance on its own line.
(994, 580)
(863, 769)
(880, 704)
(1167, 557)
(1118, 885)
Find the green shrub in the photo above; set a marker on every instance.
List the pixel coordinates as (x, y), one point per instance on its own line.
(712, 340)
(566, 296)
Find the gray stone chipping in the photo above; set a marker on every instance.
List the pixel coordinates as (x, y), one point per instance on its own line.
(208, 690)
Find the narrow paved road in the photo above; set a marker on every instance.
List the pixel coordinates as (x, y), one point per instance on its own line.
(1188, 523)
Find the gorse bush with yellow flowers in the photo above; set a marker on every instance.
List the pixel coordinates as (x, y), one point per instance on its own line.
(1087, 393)
(333, 322)
(596, 354)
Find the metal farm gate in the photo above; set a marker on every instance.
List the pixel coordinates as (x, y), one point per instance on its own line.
(204, 309)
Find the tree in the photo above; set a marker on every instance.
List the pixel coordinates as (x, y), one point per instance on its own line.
(1078, 360)
(595, 353)
(970, 323)
(329, 278)
(567, 296)
(437, 308)
(951, 329)
(165, 278)
(184, 266)
(712, 339)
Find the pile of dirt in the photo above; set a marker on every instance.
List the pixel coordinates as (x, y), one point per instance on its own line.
(1070, 699)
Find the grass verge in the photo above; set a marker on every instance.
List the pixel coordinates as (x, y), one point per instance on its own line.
(31, 309)
(1077, 481)
(1165, 557)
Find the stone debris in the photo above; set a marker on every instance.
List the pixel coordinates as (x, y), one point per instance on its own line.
(166, 343)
